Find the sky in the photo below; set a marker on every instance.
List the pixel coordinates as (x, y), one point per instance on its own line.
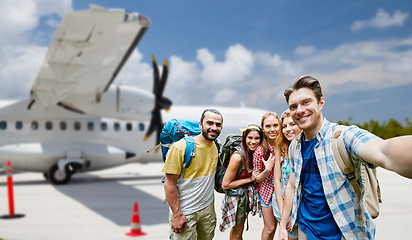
(242, 53)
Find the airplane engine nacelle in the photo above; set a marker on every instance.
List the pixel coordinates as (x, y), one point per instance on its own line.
(117, 102)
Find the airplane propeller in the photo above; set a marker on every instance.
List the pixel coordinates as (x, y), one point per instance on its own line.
(161, 102)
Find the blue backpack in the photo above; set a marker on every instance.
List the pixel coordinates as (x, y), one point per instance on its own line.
(177, 129)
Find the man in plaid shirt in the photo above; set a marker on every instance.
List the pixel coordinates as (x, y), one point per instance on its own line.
(318, 196)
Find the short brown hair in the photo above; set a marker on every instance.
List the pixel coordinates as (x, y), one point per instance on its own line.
(304, 82)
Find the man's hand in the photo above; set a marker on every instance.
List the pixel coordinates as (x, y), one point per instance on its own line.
(179, 223)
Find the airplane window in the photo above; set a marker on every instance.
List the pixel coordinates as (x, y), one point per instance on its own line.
(116, 126)
(129, 126)
(141, 126)
(3, 125)
(34, 125)
(90, 126)
(77, 126)
(63, 125)
(19, 125)
(49, 125)
(103, 126)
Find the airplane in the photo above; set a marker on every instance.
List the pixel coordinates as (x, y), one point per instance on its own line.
(76, 120)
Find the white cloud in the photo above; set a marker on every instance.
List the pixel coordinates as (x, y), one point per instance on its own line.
(136, 73)
(225, 95)
(24, 15)
(19, 67)
(182, 73)
(402, 65)
(236, 67)
(382, 20)
(275, 65)
(305, 50)
(373, 64)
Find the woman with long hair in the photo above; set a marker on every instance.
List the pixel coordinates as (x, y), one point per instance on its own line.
(235, 208)
(282, 166)
(263, 162)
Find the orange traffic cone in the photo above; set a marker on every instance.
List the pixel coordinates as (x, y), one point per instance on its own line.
(135, 230)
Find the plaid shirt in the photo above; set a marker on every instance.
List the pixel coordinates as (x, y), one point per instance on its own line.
(339, 193)
(266, 186)
(230, 206)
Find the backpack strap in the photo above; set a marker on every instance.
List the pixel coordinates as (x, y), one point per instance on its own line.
(344, 162)
(217, 145)
(241, 167)
(190, 151)
(342, 158)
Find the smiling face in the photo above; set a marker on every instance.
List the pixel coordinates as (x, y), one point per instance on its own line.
(271, 127)
(252, 140)
(306, 111)
(211, 126)
(289, 129)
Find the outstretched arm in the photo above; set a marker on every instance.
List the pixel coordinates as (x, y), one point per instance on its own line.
(277, 174)
(394, 154)
(179, 220)
(287, 207)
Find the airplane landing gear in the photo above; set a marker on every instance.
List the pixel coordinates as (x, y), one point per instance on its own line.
(57, 176)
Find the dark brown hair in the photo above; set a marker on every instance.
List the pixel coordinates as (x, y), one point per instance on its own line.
(304, 82)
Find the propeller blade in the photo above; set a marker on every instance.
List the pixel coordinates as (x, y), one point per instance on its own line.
(156, 123)
(163, 80)
(150, 129)
(164, 103)
(159, 125)
(156, 79)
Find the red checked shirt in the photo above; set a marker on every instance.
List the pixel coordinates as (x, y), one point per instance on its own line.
(266, 186)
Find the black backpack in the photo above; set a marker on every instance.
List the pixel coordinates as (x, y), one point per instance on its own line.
(231, 145)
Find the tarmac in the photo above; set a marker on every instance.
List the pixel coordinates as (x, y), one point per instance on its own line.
(99, 205)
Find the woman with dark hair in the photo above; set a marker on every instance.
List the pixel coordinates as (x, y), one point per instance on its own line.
(263, 162)
(235, 208)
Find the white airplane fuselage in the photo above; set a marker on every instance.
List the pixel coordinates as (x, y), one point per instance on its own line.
(37, 139)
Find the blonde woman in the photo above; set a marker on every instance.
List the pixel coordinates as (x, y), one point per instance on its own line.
(282, 167)
(263, 161)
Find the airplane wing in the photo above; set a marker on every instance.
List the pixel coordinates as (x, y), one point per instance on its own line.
(88, 50)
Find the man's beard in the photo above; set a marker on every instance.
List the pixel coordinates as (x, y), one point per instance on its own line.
(206, 135)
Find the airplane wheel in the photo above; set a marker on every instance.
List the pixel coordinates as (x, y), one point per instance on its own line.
(46, 175)
(57, 176)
